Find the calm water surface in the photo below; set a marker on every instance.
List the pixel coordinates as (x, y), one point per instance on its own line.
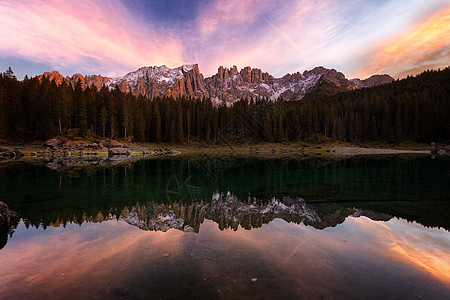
(354, 228)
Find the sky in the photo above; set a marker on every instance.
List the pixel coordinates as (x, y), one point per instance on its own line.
(113, 37)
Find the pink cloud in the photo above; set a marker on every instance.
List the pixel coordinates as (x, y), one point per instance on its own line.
(57, 262)
(423, 45)
(214, 15)
(407, 243)
(96, 256)
(281, 37)
(105, 37)
(70, 33)
(273, 36)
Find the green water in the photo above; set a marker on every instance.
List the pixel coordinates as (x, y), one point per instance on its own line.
(205, 227)
(410, 187)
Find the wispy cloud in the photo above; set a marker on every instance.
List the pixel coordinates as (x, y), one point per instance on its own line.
(426, 45)
(285, 36)
(94, 35)
(282, 36)
(408, 243)
(275, 36)
(216, 14)
(357, 37)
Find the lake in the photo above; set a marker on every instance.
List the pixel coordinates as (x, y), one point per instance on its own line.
(366, 227)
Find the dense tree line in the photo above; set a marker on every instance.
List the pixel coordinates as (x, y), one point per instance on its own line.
(415, 108)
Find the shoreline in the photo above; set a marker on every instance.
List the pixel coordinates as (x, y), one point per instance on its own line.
(294, 149)
(348, 151)
(299, 149)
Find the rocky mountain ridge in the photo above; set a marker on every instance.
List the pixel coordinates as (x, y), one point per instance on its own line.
(86, 81)
(372, 81)
(225, 209)
(228, 211)
(227, 86)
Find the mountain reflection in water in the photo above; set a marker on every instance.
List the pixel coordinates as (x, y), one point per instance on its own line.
(349, 228)
(411, 187)
(226, 210)
(115, 260)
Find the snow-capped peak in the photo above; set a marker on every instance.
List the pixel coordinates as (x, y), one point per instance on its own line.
(229, 84)
(187, 68)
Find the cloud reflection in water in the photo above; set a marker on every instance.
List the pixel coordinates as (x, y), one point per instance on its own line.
(114, 258)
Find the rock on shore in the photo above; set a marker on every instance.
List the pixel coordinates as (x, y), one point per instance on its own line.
(57, 144)
(119, 151)
(8, 153)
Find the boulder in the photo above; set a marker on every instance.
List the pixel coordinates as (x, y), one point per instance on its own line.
(68, 145)
(119, 151)
(53, 143)
(442, 150)
(6, 152)
(112, 144)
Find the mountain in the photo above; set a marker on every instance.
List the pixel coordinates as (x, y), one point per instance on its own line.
(227, 85)
(162, 81)
(226, 210)
(230, 212)
(372, 81)
(89, 80)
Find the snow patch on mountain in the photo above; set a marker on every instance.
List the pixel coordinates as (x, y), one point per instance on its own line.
(225, 209)
(227, 86)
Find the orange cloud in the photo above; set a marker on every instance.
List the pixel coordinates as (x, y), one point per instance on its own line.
(272, 35)
(92, 259)
(87, 35)
(56, 263)
(426, 46)
(434, 262)
(425, 250)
